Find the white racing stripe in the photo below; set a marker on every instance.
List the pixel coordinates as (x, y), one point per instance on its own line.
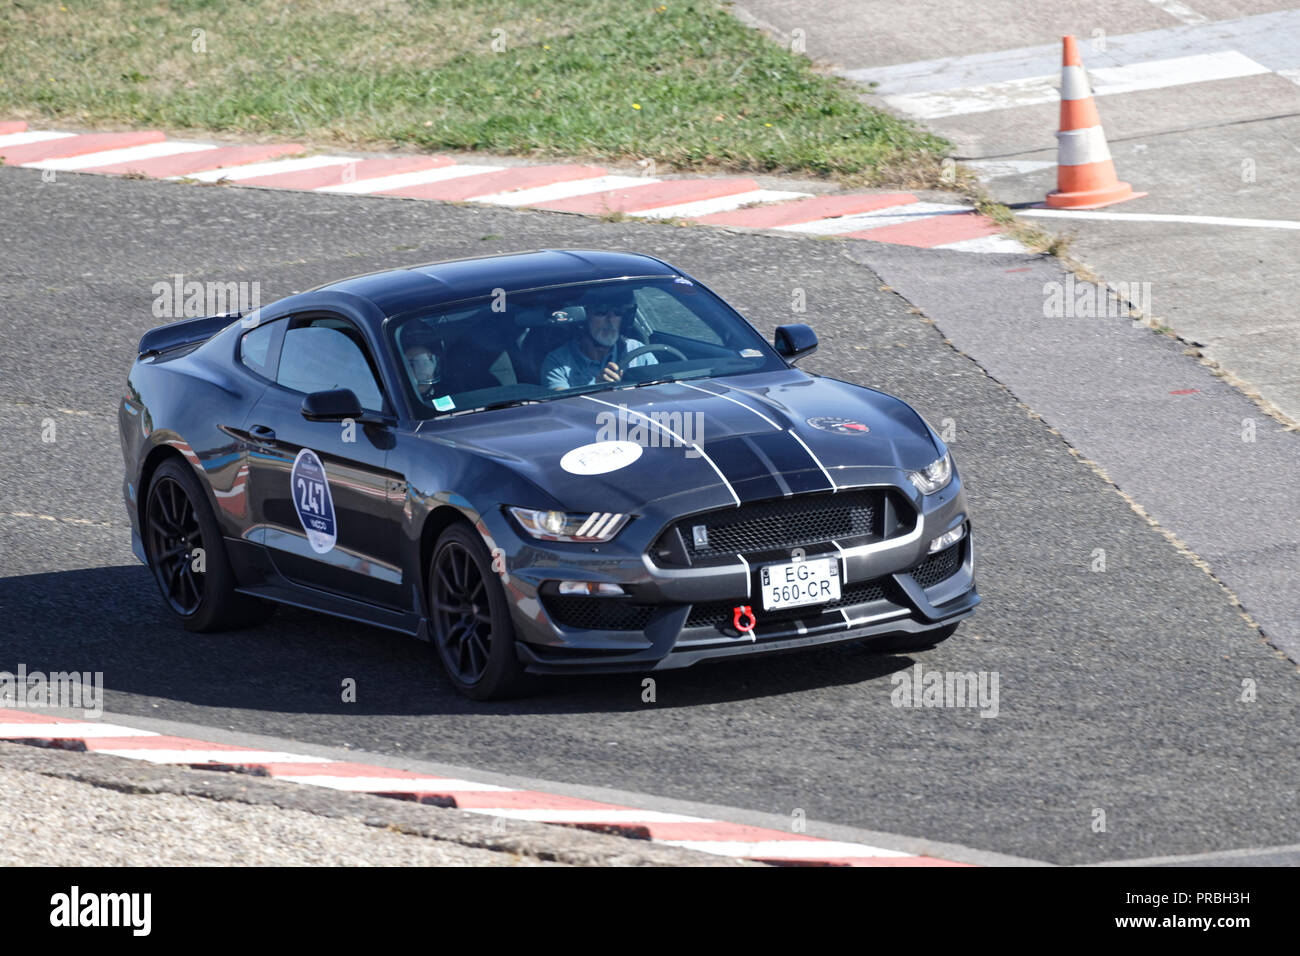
(734, 401)
(787, 849)
(890, 215)
(566, 190)
(402, 180)
(127, 155)
(392, 784)
(64, 731)
(705, 207)
(269, 168)
(212, 756)
(1159, 217)
(1106, 81)
(587, 816)
(31, 136)
(795, 436)
(682, 441)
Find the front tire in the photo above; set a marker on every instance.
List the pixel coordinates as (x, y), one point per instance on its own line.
(188, 557)
(469, 619)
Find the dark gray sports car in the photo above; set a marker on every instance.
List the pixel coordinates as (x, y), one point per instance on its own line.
(549, 462)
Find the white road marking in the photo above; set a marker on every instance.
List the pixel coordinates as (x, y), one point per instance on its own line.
(587, 816)
(1292, 75)
(129, 154)
(1180, 11)
(890, 215)
(986, 244)
(787, 849)
(402, 180)
(64, 731)
(392, 784)
(1106, 81)
(212, 756)
(574, 187)
(31, 136)
(269, 168)
(705, 207)
(996, 168)
(1266, 38)
(1160, 217)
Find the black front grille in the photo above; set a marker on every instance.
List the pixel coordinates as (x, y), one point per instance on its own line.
(598, 613)
(722, 613)
(780, 524)
(938, 567)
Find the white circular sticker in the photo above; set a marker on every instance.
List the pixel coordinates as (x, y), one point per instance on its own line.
(310, 489)
(601, 457)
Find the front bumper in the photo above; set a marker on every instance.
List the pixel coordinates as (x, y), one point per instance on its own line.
(676, 617)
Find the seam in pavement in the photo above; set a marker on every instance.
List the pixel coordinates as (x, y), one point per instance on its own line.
(1174, 540)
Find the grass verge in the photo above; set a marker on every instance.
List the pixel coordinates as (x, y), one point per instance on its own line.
(682, 83)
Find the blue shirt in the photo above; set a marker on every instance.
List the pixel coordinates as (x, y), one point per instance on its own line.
(569, 367)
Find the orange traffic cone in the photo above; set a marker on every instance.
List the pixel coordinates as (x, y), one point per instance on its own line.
(1085, 173)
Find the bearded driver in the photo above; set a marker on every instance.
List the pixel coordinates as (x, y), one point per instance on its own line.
(594, 354)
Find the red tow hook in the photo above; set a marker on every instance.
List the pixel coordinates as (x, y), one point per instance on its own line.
(743, 610)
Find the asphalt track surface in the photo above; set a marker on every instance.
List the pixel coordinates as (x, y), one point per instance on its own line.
(1120, 691)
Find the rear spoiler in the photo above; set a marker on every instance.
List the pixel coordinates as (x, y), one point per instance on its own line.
(185, 332)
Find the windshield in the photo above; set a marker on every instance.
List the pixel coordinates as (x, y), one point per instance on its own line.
(566, 340)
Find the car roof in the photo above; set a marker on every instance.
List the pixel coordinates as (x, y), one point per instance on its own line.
(399, 290)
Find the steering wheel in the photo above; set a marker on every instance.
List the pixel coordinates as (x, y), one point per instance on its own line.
(637, 353)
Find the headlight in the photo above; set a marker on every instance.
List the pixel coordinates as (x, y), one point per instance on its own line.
(934, 477)
(570, 526)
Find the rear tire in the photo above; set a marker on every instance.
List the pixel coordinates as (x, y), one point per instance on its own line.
(469, 619)
(911, 643)
(188, 557)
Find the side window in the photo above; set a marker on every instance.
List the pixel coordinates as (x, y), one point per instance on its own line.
(255, 348)
(318, 357)
(666, 314)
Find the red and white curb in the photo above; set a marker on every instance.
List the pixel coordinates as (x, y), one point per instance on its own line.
(674, 829)
(896, 218)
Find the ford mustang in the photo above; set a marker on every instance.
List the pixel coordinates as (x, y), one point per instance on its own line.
(548, 462)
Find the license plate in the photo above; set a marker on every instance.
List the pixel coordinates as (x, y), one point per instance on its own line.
(803, 582)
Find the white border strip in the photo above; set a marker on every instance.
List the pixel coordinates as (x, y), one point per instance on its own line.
(269, 168)
(565, 190)
(127, 155)
(31, 136)
(402, 180)
(705, 207)
(67, 731)
(1160, 217)
(888, 216)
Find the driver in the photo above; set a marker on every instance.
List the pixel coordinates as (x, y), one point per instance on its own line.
(596, 349)
(421, 354)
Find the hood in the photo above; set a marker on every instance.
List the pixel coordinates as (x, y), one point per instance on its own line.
(687, 446)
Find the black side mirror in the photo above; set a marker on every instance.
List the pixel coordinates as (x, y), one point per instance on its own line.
(332, 406)
(794, 342)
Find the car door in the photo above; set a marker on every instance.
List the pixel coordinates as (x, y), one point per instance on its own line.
(323, 502)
